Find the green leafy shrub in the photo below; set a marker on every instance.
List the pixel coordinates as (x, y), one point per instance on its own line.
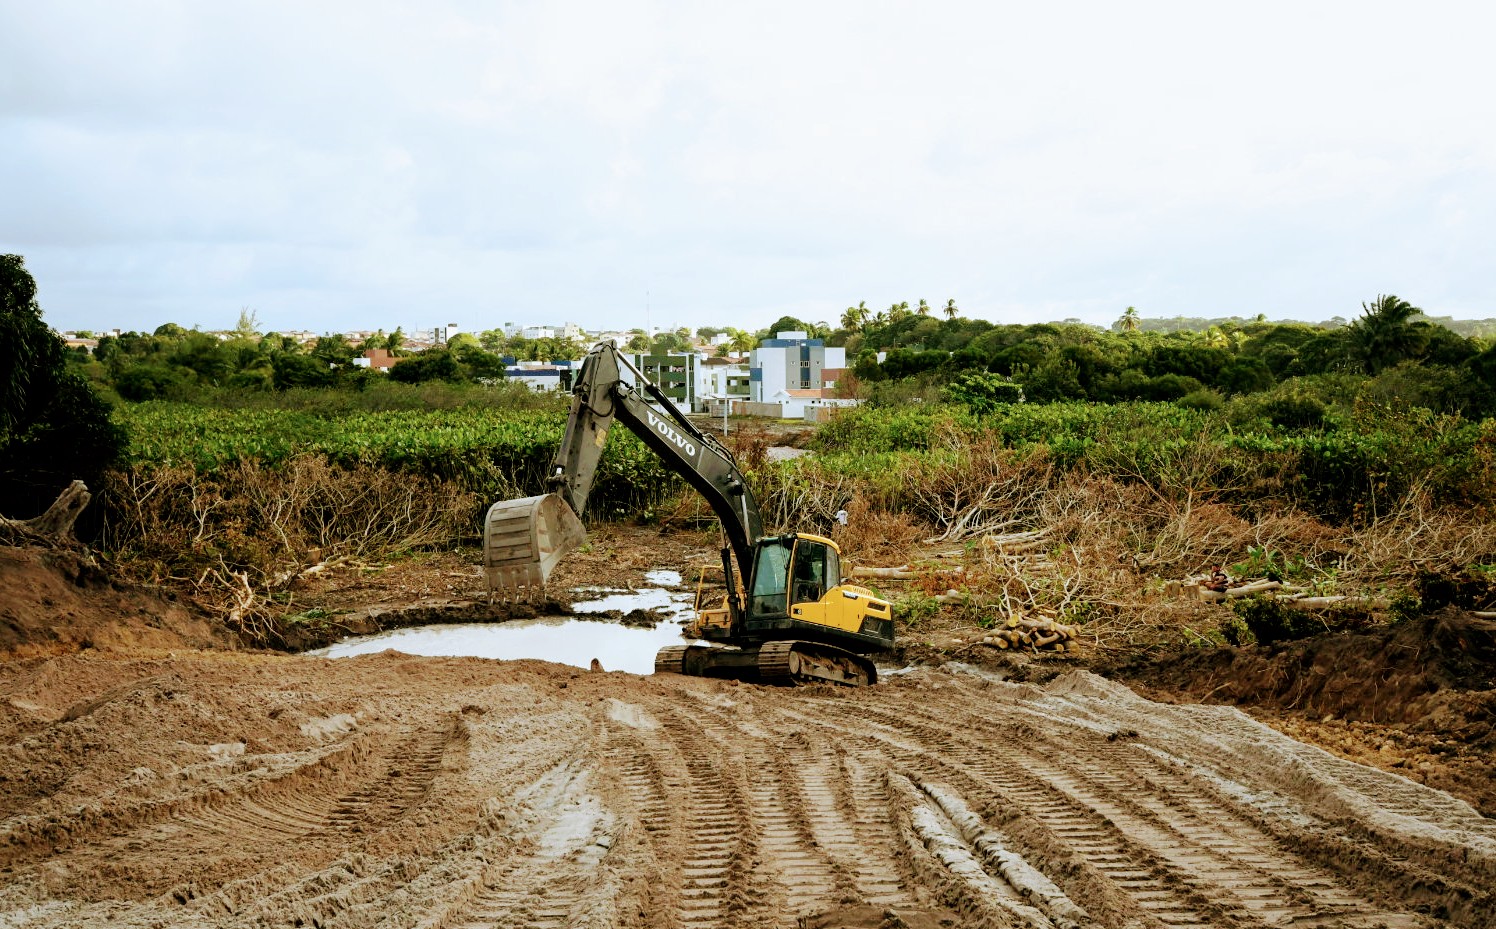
(1270, 621)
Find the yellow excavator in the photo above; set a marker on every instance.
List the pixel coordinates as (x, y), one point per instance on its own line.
(783, 617)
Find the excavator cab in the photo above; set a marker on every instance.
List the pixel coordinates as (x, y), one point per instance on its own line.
(791, 569)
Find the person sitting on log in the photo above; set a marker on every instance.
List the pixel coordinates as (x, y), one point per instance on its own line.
(1219, 580)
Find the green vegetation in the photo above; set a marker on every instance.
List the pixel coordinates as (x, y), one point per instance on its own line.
(1346, 458)
(53, 427)
(1391, 351)
(173, 363)
(1336, 463)
(491, 453)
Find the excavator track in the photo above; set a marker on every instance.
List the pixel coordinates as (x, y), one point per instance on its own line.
(798, 662)
(671, 659)
(784, 663)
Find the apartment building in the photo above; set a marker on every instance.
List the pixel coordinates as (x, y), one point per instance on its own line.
(791, 361)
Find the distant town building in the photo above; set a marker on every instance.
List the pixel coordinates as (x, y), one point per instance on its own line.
(791, 361)
(675, 375)
(377, 359)
(542, 375)
(720, 381)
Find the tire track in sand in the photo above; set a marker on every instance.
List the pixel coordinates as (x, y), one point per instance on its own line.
(1275, 883)
(1220, 858)
(1115, 866)
(717, 853)
(555, 879)
(409, 774)
(244, 833)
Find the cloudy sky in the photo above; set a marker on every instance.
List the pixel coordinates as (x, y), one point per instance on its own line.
(364, 164)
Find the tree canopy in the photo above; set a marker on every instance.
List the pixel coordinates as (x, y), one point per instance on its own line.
(53, 427)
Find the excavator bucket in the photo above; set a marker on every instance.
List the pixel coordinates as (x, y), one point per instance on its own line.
(524, 539)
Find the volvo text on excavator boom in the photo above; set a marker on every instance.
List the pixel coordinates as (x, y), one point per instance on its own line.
(783, 615)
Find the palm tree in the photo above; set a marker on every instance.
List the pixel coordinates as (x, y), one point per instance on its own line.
(1386, 334)
(924, 308)
(1130, 321)
(950, 308)
(742, 342)
(850, 321)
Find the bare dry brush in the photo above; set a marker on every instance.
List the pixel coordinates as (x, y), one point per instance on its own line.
(237, 537)
(1099, 546)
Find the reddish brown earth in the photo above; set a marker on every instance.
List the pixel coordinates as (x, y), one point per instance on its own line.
(148, 781)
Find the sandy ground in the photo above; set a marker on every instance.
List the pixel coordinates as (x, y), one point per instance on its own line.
(253, 790)
(150, 779)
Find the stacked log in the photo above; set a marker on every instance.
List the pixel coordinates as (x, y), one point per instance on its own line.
(1043, 634)
(1193, 588)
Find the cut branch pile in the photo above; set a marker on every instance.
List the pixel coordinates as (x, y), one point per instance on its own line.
(1042, 634)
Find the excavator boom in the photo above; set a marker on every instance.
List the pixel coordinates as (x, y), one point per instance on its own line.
(525, 539)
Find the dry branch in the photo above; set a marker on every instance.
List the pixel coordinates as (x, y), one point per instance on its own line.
(1247, 590)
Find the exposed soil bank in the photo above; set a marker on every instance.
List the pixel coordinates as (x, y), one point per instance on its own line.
(1419, 696)
(58, 602)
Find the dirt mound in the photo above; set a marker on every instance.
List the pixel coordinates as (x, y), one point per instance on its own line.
(1423, 673)
(1418, 697)
(59, 602)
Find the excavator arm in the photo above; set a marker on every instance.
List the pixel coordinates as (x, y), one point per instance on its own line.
(524, 539)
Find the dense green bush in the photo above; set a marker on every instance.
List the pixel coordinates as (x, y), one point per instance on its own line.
(53, 427)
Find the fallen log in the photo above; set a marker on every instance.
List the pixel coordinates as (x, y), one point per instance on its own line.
(900, 573)
(1256, 587)
(1315, 603)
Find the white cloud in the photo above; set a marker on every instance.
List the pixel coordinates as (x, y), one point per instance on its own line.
(372, 164)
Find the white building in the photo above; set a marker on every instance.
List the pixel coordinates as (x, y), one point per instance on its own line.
(537, 375)
(805, 404)
(719, 381)
(790, 361)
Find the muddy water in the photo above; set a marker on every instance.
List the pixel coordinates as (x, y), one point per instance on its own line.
(549, 638)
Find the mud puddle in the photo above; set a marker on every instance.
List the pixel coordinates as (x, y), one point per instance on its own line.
(577, 642)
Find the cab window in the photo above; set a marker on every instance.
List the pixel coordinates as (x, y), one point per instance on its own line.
(809, 574)
(769, 577)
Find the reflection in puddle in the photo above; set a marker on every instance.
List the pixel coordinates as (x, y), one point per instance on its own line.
(663, 601)
(663, 577)
(566, 641)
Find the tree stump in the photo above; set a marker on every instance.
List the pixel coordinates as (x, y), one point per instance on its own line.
(55, 526)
